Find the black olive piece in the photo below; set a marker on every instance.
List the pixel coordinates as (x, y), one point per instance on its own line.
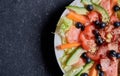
(84, 74)
(112, 53)
(99, 40)
(116, 24)
(88, 60)
(89, 7)
(116, 8)
(96, 33)
(98, 67)
(97, 23)
(100, 73)
(102, 25)
(84, 55)
(118, 55)
(82, 28)
(80, 25)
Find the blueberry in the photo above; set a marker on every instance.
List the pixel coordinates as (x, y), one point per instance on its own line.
(80, 25)
(89, 7)
(98, 67)
(116, 24)
(100, 73)
(88, 60)
(99, 40)
(118, 55)
(112, 53)
(84, 74)
(97, 23)
(96, 33)
(116, 8)
(102, 25)
(84, 55)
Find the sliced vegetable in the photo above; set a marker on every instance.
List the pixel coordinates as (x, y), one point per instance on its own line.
(93, 71)
(102, 11)
(78, 18)
(63, 25)
(67, 46)
(96, 1)
(73, 72)
(86, 68)
(75, 57)
(86, 2)
(78, 10)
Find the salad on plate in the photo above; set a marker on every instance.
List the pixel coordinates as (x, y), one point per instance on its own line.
(87, 38)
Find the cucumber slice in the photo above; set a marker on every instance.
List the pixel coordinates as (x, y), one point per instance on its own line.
(102, 11)
(73, 72)
(75, 57)
(86, 68)
(78, 10)
(96, 1)
(86, 2)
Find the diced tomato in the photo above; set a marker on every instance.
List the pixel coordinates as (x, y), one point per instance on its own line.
(94, 57)
(93, 16)
(86, 38)
(113, 46)
(114, 37)
(106, 5)
(116, 31)
(88, 31)
(113, 3)
(102, 33)
(114, 18)
(109, 28)
(109, 67)
(73, 35)
(101, 53)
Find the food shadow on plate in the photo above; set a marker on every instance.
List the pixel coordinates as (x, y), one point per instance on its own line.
(47, 42)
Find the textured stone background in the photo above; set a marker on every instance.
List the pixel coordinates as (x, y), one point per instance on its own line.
(26, 41)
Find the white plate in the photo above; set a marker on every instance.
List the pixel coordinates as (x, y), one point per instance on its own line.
(57, 40)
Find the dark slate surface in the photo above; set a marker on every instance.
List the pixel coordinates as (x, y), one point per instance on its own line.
(26, 42)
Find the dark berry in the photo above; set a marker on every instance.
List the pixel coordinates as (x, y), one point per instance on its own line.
(96, 33)
(97, 23)
(88, 60)
(79, 25)
(102, 25)
(116, 8)
(116, 24)
(98, 67)
(100, 73)
(112, 53)
(99, 40)
(84, 55)
(118, 55)
(89, 7)
(84, 74)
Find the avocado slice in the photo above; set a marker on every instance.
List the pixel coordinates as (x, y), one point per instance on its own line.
(78, 10)
(86, 2)
(102, 11)
(75, 56)
(86, 68)
(96, 1)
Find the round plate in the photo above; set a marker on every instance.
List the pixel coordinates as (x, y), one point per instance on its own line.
(57, 39)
